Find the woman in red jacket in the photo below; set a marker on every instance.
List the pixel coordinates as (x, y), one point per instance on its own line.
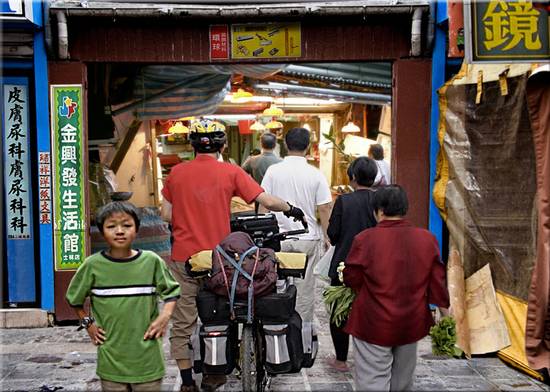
(396, 271)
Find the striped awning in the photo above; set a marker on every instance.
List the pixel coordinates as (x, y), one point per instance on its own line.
(174, 91)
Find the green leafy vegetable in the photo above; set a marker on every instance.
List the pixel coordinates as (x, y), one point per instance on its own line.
(338, 300)
(443, 336)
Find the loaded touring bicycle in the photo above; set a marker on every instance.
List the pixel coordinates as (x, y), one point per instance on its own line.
(246, 307)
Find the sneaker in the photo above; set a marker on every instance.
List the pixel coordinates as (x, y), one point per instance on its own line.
(339, 366)
(211, 382)
(189, 388)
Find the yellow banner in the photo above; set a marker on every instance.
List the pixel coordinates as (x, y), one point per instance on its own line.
(266, 40)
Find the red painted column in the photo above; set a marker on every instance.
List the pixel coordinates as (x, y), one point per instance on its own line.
(411, 134)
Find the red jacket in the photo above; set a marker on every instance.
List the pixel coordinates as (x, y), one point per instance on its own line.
(396, 272)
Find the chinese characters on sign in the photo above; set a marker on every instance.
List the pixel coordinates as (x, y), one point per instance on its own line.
(45, 189)
(219, 42)
(509, 31)
(68, 166)
(16, 162)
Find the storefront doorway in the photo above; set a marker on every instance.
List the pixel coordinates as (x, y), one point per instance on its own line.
(326, 42)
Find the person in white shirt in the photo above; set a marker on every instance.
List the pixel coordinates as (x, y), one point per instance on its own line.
(376, 152)
(304, 186)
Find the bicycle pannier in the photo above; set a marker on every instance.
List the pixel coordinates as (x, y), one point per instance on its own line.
(310, 343)
(213, 308)
(276, 306)
(218, 348)
(195, 346)
(283, 346)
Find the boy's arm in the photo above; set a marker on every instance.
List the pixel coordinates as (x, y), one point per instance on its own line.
(169, 291)
(158, 326)
(97, 334)
(77, 292)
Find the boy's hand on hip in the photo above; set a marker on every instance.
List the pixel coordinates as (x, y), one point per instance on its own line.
(157, 327)
(97, 334)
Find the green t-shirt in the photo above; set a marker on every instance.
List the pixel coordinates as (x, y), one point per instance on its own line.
(124, 298)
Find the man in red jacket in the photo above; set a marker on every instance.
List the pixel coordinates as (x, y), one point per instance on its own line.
(396, 271)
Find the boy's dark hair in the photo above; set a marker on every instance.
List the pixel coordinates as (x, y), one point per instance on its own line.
(268, 141)
(297, 139)
(377, 151)
(363, 170)
(113, 207)
(391, 200)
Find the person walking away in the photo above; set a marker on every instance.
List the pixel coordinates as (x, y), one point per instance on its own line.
(303, 185)
(376, 152)
(197, 201)
(396, 271)
(124, 285)
(351, 214)
(257, 165)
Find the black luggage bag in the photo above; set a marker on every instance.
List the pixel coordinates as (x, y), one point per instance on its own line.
(258, 227)
(276, 306)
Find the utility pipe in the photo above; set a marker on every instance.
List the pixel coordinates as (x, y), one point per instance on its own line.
(48, 40)
(379, 76)
(373, 97)
(242, 11)
(416, 32)
(62, 36)
(431, 28)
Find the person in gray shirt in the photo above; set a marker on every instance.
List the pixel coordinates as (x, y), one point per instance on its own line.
(257, 165)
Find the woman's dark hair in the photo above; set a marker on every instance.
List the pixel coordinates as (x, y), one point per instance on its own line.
(391, 200)
(363, 170)
(112, 208)
(377, 151)
(297, 139)
(268, 141)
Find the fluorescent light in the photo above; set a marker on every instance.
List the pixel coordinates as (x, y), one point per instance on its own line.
(231, 117)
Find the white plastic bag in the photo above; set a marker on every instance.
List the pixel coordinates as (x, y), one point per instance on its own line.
(323, 265)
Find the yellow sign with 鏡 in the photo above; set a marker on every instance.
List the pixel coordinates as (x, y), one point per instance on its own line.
(267, 40)
(515, 30)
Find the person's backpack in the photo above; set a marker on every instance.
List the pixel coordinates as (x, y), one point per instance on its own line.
(241, 270)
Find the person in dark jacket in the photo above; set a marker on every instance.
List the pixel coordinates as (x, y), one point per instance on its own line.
(396, 271)
(352, 213)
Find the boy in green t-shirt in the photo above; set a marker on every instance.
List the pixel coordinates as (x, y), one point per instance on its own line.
(124, 285)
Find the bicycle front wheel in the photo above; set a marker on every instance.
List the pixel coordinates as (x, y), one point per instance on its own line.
(252, 373)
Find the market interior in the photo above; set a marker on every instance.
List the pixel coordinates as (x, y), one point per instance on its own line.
(139, 117)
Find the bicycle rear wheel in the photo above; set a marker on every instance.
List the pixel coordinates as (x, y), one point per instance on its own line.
(252, 372)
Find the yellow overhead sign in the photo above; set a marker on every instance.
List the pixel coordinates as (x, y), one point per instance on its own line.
(266, 40)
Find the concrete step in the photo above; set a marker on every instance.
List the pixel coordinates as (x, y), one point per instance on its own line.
(23, 318)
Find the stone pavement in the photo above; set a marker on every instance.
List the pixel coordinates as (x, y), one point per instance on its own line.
(43, 359)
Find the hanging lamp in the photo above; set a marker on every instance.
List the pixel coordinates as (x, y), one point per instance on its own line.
(274, 125)
(178, 128)
(350, 127)
(241, 96)
(273, 111)
(257, 126)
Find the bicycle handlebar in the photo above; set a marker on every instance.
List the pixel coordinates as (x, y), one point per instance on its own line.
(265, 233)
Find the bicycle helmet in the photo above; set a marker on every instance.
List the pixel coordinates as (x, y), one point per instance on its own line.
(207, 136)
